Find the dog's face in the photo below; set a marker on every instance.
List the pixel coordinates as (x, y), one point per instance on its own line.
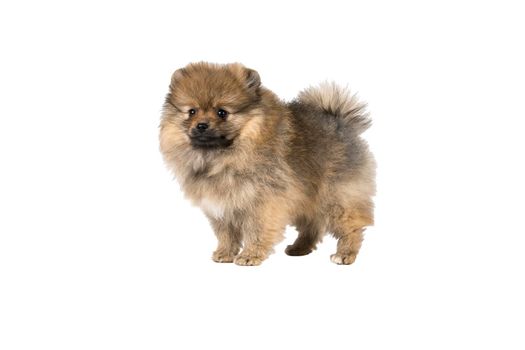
(211, 104)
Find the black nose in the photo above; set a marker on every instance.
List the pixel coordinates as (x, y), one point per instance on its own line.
(202, 126)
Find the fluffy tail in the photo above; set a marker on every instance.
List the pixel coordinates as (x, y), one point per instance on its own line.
(339, 102)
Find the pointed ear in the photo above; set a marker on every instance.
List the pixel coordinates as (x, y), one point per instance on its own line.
(253, 80)
(177, 75)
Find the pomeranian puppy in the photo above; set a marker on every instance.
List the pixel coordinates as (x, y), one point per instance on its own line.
(255, 164)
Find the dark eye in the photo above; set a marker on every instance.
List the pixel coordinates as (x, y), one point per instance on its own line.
(192, 111)
(222, 113)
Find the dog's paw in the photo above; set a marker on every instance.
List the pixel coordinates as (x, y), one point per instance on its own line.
(248, 260)
(294, 250)
(222, 257)
(343, 259)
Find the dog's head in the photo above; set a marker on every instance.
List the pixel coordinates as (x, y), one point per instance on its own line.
(211, 104)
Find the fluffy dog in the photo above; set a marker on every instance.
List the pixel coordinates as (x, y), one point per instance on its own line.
(255, 164)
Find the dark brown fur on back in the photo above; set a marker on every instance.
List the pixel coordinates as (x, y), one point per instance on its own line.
(255, 164)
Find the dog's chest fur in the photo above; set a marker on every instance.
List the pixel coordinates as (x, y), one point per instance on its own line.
(220, 194)
(213, 208)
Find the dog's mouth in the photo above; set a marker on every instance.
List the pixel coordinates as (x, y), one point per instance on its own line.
(210, 142)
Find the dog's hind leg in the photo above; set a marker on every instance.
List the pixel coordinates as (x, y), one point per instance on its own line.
(347, 225)
(310, 233)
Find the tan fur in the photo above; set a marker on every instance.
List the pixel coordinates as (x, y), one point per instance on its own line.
(279, 167)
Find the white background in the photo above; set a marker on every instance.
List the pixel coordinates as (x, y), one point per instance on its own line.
(99, 250)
